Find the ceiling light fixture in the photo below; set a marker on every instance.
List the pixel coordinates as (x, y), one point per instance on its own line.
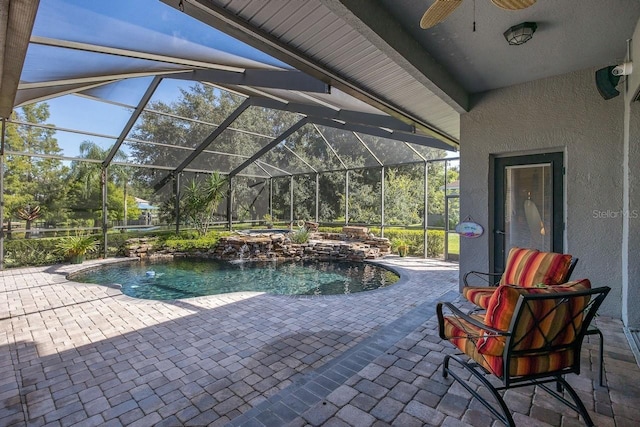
(521, 33)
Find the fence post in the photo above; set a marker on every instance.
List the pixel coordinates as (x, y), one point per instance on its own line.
(426, 207)
(382, 202)
(230, 204)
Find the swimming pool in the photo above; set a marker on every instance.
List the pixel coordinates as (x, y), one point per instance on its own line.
(186, 278)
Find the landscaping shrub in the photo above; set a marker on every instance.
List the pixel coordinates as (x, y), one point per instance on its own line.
(300, 236)
(27, 252)
(189, 241)
(44, 251)
(414, 237)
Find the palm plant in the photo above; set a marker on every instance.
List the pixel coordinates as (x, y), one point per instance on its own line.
(201, 200)
(76, 247)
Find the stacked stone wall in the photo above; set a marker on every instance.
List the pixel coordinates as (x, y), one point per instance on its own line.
(351, 245)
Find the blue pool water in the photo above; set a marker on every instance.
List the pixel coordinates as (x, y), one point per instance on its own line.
(186, 278)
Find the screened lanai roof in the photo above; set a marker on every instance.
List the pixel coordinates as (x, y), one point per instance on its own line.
(152, 87)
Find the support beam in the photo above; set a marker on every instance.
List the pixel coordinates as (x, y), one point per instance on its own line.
(376, 131)
(446, 215)
(377, 25)
(208, 140)
(176, 205)
(425, 239)
(349, 116)
(25, 97)
(103, 78)
(344, 166)
(274, 79)
(132, 119)
(382, 201)
(366, 147)
(230, 205)
(271, 198)
(286, 134)
(88, 47)
(103, 180)
(291, 200)
(346, 197)
(16, 23)
(234, 25)
(317, 197)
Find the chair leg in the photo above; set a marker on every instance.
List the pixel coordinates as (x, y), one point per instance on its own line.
(505, 416)
(577, 404)
(596, 331)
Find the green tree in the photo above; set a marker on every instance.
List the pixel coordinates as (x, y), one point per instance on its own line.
(85, 184)
(30, 180)
(404, 200)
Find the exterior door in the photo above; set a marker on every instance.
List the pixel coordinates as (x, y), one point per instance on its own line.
(528, 209)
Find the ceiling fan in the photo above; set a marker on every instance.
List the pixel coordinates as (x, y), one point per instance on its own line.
(441, 9)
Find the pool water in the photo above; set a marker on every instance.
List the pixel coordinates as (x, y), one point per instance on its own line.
(186, 278)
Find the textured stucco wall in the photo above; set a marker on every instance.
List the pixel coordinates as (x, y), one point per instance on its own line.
(563, 113)
(631, 259)
(631, 223)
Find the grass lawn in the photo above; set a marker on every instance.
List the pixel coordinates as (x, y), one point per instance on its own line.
(454, 243)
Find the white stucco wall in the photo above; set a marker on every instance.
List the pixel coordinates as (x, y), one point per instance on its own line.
(563, 113)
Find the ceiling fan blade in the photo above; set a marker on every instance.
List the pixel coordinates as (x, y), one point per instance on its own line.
(513, 4)
(438, 12)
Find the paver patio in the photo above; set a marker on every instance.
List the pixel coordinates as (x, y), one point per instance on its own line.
(81, 354)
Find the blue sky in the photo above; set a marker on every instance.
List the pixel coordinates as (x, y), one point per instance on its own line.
(147, 25)
(144, 25)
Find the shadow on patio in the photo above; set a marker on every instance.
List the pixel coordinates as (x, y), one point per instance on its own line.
(87, 354)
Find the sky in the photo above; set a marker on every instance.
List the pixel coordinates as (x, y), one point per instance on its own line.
(146, 25)
(143, 25)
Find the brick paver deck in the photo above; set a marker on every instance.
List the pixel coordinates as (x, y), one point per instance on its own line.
(81, 354)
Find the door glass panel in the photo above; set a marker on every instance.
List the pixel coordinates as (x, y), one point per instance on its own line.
(529, 207)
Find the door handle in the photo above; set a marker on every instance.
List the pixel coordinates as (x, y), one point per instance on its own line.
(499, 232)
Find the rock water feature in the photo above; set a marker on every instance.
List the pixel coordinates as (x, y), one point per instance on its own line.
(353, 244)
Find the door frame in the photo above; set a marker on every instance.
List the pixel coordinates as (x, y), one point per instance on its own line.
(497, 198)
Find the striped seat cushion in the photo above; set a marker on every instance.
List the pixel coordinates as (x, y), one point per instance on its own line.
(530, 267)
(465, 336)
(502, 306)
(479, 295)
(527, 268)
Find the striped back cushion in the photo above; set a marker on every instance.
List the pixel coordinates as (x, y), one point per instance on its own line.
(530, 267)
(556, 327)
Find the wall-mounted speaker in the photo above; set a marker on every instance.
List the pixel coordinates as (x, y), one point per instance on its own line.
(606, 82)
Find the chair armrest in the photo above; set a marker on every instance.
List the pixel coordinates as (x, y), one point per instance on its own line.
(488, 278)
(458, 313)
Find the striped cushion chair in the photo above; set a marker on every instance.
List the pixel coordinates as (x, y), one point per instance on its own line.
(525, 267)
(528, 336)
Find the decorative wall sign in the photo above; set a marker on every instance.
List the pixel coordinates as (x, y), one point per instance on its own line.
(469, 228)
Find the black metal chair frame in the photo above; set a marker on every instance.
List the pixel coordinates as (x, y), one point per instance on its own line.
(493, 279)
(596, 295)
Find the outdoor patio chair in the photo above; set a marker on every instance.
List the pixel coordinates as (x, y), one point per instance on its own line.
(525, 267)
(528, 336)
